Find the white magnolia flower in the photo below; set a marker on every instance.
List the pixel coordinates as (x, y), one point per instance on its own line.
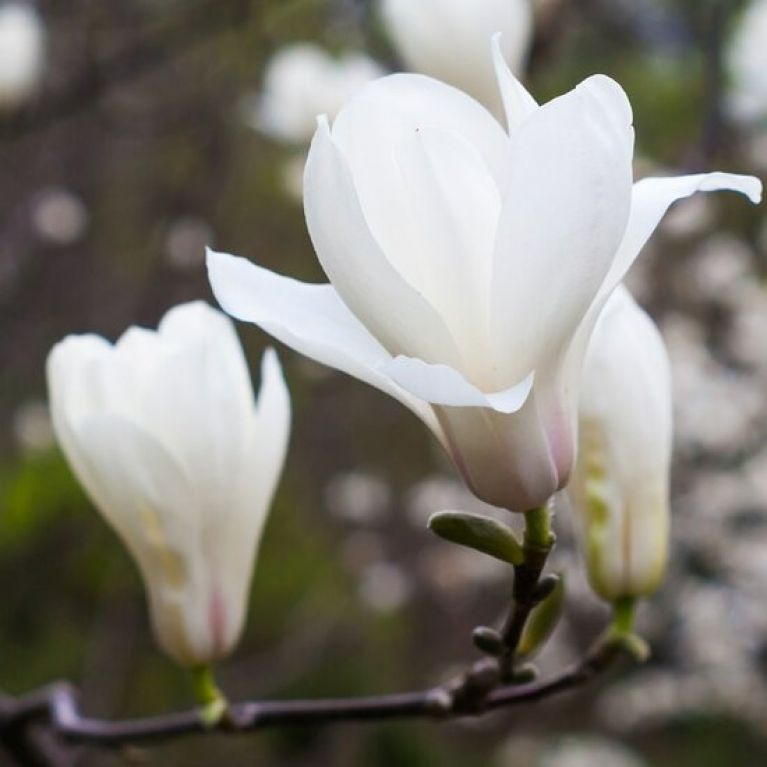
(163, 431)
(620, 488)
(468, 264)
(302, 81)
(747, 59)
(450, 40)
(22, 53)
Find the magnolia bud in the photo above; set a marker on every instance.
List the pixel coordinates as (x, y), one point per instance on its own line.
(621, 484)
(163, 431)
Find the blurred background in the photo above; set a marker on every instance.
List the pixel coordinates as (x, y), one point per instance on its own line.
(135, 132)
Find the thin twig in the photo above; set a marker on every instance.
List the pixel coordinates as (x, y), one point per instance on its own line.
(57, 707)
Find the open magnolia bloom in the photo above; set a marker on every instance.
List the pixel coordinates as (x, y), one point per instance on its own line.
(468, 264)
(620, 487)
(163, 431)
(448, 40)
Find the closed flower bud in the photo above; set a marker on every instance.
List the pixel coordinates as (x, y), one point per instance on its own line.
(620, 489)
(450, 40)
(468, 263)
(164, 432)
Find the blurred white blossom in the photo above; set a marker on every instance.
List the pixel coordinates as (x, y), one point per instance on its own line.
(689, 218)
(440, 492)
(718, 270)
(358, 496)
(384, 587)
(302, 82)
(185, 243)
(747, 59)
(569, 751)
(22, 53)
(59, 216)
(32, 427)
(450, 40)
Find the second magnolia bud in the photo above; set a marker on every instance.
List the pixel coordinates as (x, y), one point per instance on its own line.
(621, 484)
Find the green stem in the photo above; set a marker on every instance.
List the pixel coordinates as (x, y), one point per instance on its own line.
(538, 528)
(213, 703)
(621, 630)
(624, 616)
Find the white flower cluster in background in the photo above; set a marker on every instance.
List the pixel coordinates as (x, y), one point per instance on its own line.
(303, 81)
(747, 59)
(22, 53)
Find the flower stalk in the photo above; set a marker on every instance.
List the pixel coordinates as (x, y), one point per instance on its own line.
(537, 544)
(213, 703)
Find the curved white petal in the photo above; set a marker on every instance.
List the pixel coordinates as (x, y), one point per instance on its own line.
(506, 459)
(72, 391)
(563, 220)
(312, 319)
(392, 108)
(147, 498)
(652, 197)
(453, 205)
(270, 434)
(518, 104)
(369, 285)
(254, 481)
(442, 385)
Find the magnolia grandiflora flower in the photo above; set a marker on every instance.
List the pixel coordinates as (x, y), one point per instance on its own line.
(164, 433)
(450, 40)
(22, 53)
(747, 60)
(620, 487)
(302, 81)
(468, 264)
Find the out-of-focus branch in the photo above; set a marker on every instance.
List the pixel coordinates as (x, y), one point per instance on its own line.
(201, 22)
(713, 130)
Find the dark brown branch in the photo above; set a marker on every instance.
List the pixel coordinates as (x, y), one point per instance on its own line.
(57, 708)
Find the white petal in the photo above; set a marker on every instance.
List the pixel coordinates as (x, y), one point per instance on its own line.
(652, 197)
(389, 109)
(147, 498)
(353, 260)
(442, 385)
(71, 390)
(454, 206)
(506, 459)
(518, 104)
(193, 406)
(563, 220)
(312, 319)
(260, 467)
(272, 430)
